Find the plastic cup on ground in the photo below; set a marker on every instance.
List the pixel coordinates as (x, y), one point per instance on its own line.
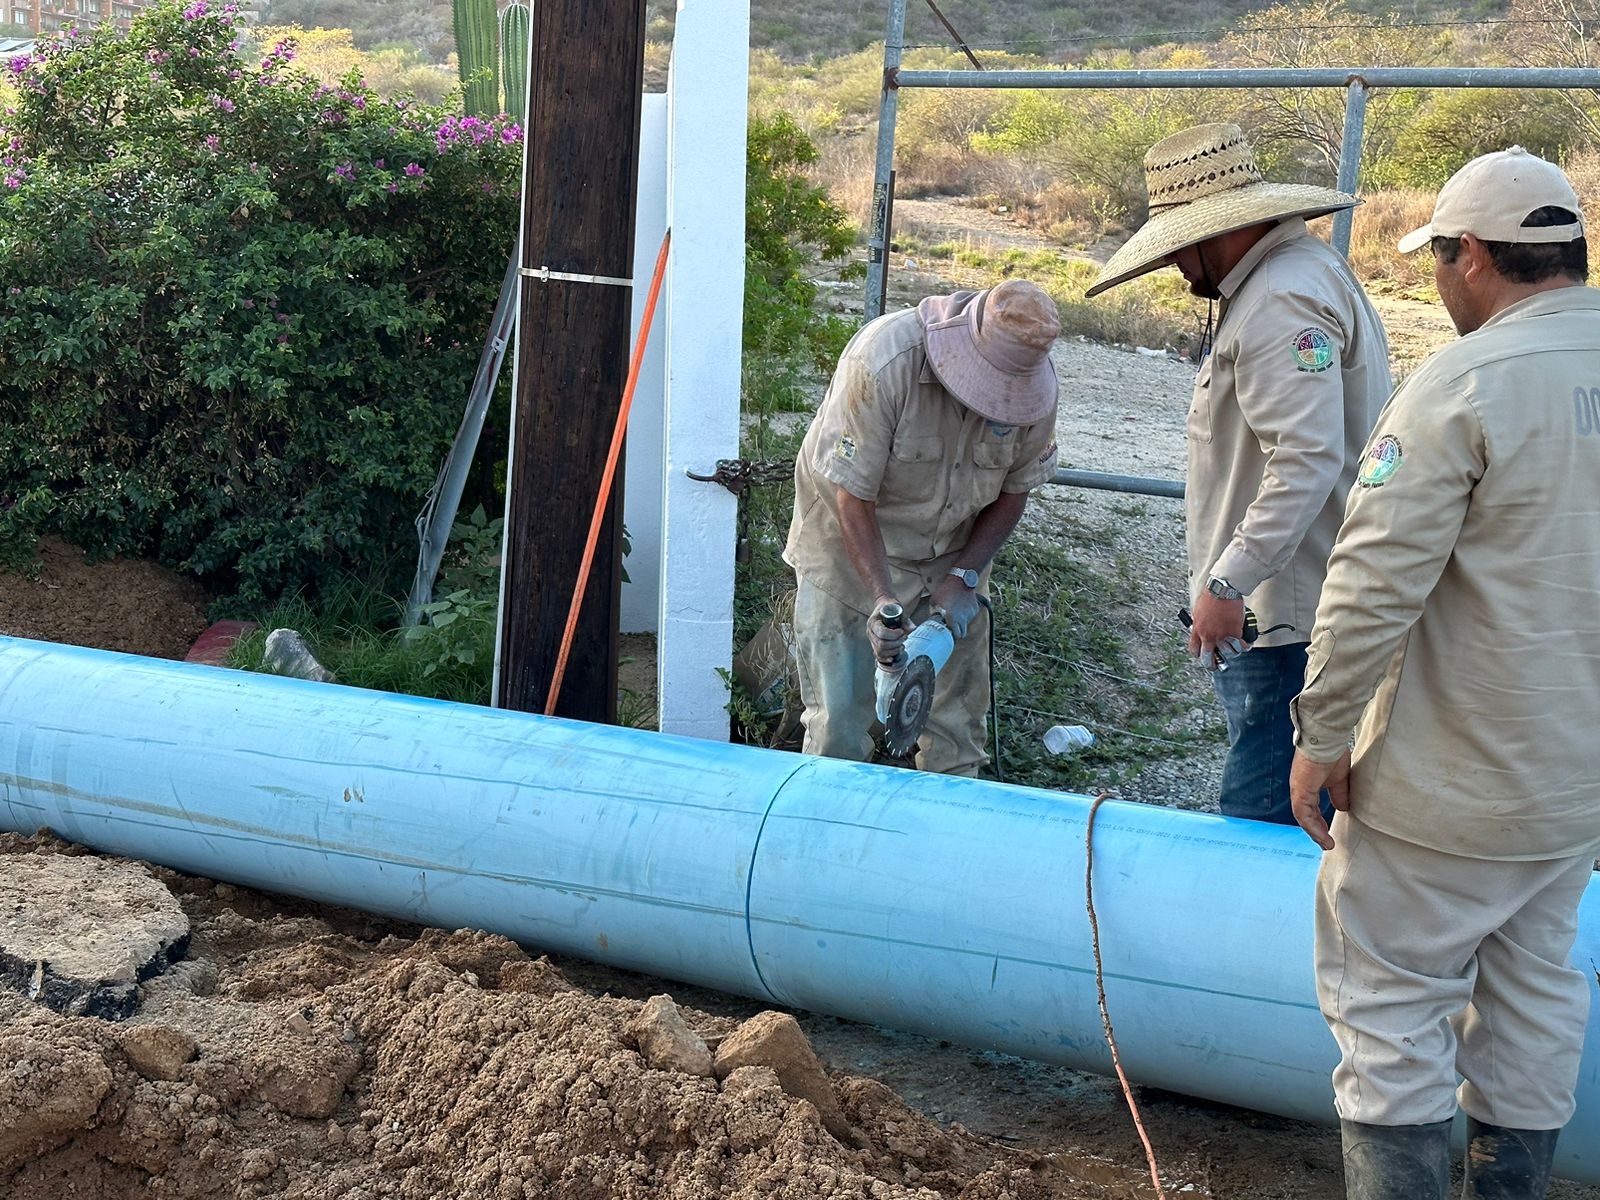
(1065, 739)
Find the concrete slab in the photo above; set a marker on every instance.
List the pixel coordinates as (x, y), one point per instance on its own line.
(79, 933)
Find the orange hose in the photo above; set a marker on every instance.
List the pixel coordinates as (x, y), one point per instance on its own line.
(606, 479)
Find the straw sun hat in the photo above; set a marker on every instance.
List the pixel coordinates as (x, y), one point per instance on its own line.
(1204, 182)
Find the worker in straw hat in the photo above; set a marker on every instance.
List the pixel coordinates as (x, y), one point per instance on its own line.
(1290, 383)
(1459, 635)
(938, 423)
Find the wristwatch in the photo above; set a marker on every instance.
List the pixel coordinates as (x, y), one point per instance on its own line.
(1222, 589)
(967, 575)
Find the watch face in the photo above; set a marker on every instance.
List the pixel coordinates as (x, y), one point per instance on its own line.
(968, 577)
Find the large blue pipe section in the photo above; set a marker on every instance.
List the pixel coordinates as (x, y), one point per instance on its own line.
(952, 907)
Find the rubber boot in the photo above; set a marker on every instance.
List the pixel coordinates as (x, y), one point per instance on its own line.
(1508, 1164)
(1396, 1162)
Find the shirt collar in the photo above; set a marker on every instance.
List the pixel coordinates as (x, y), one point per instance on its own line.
(1284, 231)
(1555, 300)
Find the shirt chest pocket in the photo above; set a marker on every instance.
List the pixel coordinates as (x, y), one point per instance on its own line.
(914, 461)
(914, 488)
(991, 456)
(1200, 405)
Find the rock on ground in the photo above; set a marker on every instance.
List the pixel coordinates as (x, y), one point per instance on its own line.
(78, 932)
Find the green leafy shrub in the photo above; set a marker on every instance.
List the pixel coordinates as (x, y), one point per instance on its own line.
(240, 309)
(789, 222)
(458, 627)
(351, 627)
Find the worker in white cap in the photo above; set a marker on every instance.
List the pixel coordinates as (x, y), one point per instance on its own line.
(938, 423)
(1288, 389)
(1459, 637)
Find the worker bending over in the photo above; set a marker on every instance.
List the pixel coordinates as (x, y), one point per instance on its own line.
(938, 423)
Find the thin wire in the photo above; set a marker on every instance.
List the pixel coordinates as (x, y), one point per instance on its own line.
(1169, 34)
(1100, 995)
(1143, 737)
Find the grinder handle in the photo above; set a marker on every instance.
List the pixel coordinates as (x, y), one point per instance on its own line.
(892, 615)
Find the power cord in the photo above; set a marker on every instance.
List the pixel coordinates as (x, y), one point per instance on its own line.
(1100, 993)
(994, 707)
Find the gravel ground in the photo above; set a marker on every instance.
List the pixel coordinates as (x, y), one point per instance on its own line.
(1123, 412)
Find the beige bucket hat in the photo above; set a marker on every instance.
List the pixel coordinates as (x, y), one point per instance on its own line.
(1204, 182)
(991, 349)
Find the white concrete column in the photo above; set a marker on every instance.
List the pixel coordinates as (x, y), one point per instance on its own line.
(642, 488)
(709, 94)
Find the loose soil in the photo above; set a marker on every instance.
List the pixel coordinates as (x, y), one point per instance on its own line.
(120, 604)
(304, 1052)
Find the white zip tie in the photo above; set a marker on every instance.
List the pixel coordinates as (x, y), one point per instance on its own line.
(545, 274)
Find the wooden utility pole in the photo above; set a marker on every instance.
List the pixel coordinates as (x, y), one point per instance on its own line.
(579, 186)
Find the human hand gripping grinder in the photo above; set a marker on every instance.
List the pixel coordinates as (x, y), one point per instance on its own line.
(905, 683)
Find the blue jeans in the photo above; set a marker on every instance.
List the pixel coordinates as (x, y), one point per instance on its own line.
(1255, 692)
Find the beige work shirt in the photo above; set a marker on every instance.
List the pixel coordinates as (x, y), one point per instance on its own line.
(1298, 372)
(1463, 598)
(889, 433)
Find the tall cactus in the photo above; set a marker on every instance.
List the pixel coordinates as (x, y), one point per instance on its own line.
(514, 59)
(475, 28)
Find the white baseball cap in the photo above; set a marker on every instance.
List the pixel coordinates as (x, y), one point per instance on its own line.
(1492, 195)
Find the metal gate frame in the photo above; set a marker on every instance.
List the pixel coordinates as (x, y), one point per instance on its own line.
(1357, 82)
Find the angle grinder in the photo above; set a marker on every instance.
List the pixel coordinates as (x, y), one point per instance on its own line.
(905, 684)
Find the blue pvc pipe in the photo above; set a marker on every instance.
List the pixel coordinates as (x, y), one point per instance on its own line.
(953, 907)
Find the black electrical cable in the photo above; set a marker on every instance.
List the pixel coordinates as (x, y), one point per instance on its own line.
(994, 707)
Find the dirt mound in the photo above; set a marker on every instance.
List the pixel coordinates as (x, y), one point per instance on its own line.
(321, 1054)
(122, 604)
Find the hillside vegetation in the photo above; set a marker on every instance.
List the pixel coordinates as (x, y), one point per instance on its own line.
(1062, 30)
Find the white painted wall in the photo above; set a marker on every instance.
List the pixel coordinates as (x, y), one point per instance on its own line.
(708, 93)
(642, 484)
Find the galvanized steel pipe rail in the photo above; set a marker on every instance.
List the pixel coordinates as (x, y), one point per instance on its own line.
(1357, 82)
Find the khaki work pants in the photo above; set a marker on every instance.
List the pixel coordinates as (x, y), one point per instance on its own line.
(1430, 964)
(837, 686)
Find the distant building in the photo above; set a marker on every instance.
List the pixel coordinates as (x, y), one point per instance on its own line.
(48, 16)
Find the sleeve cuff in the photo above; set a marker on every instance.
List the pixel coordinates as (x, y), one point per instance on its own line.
(1313, 739)
(1240, 569)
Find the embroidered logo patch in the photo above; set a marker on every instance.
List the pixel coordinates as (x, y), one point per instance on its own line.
(1382, 459)
(846, 449)
(1000, 431)
(1049, 453)
(1313, 350)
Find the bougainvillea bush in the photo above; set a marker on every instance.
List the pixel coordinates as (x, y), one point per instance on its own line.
(239, 310)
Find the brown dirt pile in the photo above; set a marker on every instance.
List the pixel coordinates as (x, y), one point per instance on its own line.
(319, 1053)
(120, 604)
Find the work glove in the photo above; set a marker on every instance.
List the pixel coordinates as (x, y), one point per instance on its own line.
(957, 602)
(888, 645)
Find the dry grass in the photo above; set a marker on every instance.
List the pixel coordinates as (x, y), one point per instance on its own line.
(1068, 213)
(1379, 224)
(845, 169)
(941, 171)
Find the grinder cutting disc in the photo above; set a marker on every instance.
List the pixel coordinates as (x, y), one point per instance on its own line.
(909, 706)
